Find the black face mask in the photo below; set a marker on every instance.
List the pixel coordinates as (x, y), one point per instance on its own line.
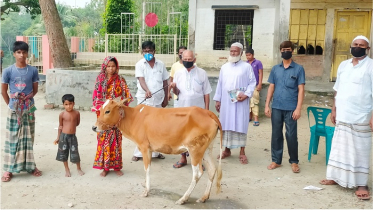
(188, 64)
(286, 55)
(180, 56)
(358, 52)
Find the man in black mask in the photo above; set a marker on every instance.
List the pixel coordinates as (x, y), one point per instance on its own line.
(192, 87)
(287, 81)
(350, 154)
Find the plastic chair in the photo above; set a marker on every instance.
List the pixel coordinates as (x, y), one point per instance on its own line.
(320, 129)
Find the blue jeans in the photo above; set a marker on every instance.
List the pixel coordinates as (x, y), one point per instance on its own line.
(278, 118)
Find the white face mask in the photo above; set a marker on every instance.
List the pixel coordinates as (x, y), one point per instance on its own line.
(234, 59)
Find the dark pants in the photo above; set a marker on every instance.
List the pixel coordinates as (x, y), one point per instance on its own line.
(277, 143)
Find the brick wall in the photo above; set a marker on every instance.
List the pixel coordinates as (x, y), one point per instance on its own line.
(312, 64)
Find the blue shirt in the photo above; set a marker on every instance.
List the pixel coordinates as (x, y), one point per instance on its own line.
(286, 83)
(20, 80)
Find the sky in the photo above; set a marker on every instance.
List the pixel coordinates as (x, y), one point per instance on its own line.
(73, 3)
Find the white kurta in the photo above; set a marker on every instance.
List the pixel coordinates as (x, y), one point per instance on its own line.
(154, 78)
(354, 86)
(349, 159)
(193, 86)
(235, 116)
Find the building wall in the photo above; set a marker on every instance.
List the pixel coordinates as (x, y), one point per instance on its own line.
(202, 38)
(313, 65)
(331, 6)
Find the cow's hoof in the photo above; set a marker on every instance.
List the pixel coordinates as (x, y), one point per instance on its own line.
(201, 200)
(180, 202)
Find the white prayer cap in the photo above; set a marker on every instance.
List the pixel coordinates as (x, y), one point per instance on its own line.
(361, 37)
(237, 44)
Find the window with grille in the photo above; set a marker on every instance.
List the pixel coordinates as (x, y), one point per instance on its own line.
(233, 26)
(307, 30)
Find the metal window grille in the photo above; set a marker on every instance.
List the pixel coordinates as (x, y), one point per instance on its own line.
(233, 26)
(307, 30)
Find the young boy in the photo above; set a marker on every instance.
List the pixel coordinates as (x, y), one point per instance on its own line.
(66, 139)
(258, 72)
(22, 81)
(287, 81)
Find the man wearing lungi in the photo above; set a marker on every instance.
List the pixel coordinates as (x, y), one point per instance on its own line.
(233, 92)
(349, 159)
(22, 81)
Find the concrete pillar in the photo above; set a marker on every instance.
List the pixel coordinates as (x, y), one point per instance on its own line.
(281, 27)
(328, 48)
(22, 38)
(75, 41)
(47, 55)
(192, 24)
(91, 45)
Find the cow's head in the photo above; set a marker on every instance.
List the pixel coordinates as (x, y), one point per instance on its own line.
(111, 113)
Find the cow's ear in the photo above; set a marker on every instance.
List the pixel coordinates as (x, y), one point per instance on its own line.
(124, 101)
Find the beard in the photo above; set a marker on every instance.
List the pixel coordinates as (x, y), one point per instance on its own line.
(234, 59)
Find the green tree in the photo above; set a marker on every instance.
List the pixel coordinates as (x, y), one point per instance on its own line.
(31, 6)
(112, 15)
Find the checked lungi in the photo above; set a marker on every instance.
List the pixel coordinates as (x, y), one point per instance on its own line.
(349, 158)
(19, 140)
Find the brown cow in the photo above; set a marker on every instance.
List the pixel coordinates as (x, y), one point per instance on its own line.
(192, 129)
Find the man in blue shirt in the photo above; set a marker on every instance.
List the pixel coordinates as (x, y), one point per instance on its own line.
(287, 82)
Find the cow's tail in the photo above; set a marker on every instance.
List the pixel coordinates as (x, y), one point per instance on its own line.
(220, 172)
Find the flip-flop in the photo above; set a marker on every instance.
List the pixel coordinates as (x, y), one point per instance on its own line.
(256, 123)
(7, 178)
(273, 165)
(328, 182)
(179, 164)
(134, 158)
(295, 168)
(224, 155)
(243, 159)
(363, 194)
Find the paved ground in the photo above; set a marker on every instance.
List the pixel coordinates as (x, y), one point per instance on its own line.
(243, 186)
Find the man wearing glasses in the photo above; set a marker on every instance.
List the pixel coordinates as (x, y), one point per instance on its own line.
(151, 76)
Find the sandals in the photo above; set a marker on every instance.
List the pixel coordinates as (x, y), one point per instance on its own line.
(224, 155)
(243, 159)
(134, 158)
(295, 168)
(363, 194)
(327, 182)
(179, 164)
(256, 123)
(273, 165)
(7, 176)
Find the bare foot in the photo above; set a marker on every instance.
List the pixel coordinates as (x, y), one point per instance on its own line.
(36, 172)
(273, 165)
(80, 172)
(327, 182)
(68, 173)
(119, 173)
(104, 173)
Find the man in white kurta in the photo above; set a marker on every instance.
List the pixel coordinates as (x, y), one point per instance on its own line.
(192, 87)
(151, 75)
(349, 159)
(234, 116)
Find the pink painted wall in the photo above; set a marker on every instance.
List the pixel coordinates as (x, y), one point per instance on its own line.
(91, 45)
(22, 38)
(75, 44)
(47, 55)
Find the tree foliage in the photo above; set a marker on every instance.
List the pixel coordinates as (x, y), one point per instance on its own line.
(112, 15)
(31, 6)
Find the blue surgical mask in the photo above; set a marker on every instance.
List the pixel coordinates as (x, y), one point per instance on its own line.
(148, 57)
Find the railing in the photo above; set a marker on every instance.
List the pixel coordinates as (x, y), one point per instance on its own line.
(35, 57)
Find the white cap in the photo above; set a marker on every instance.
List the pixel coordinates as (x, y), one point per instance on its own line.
(361, 37)
(237, 44)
